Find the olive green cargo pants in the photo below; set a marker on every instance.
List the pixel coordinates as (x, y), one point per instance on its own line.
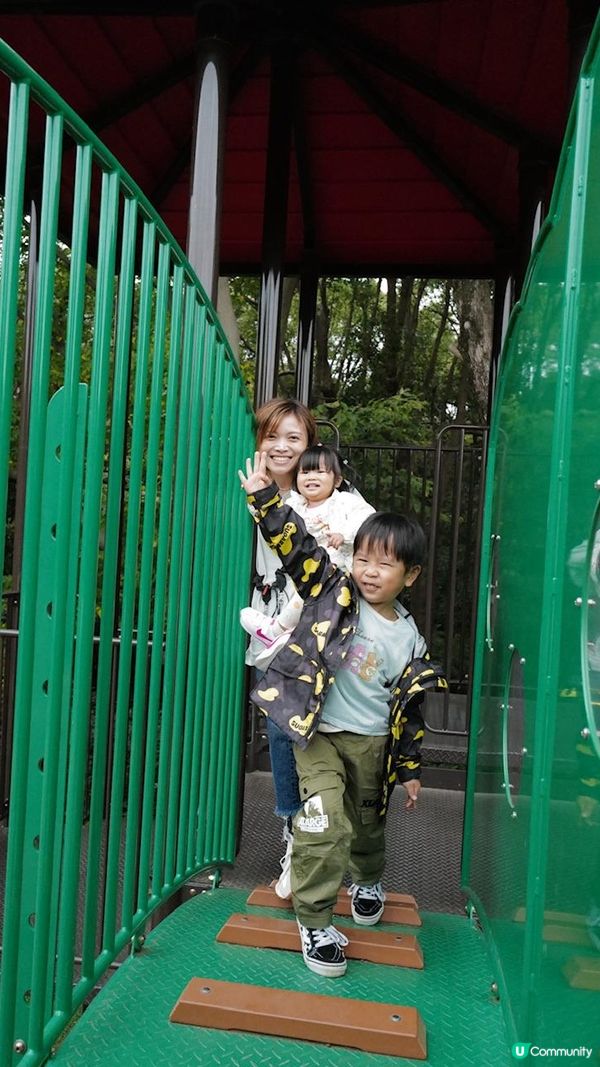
(338, 828)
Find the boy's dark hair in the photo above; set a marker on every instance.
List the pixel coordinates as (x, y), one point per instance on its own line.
(401, 536)
(322, 457)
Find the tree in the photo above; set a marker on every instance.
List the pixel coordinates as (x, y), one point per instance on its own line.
(426, 343)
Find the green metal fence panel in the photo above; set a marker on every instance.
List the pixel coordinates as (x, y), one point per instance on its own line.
(129, 718)
(532, 827)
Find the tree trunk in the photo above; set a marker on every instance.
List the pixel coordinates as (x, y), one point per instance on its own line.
(324, 390)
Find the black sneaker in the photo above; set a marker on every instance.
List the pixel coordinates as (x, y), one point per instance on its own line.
(367, 903)
(323, 950)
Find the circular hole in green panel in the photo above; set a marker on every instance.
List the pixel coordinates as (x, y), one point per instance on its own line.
(513, 728)
(590, 633)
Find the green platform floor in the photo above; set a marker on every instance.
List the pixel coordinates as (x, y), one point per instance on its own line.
(128, 1023)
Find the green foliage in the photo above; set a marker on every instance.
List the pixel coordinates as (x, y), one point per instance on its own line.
(395, 359)
(390, 420)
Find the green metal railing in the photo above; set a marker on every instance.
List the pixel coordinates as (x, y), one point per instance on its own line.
(128, 716)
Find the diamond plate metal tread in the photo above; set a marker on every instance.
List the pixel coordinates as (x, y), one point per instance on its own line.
(423, 849)
(127, 1024)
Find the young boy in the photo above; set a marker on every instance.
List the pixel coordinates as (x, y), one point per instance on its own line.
(346, 690)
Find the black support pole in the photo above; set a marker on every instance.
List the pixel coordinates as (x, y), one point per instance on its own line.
(214, 27)
(274, 222)
(503, 302)
(582, 15)
(533, 192)
(307, 313)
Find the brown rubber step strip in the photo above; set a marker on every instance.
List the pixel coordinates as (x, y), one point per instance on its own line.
(389, 1029)
(364, 942)
(398, 908)
(583, 972)
(567, 935)
(568, 917)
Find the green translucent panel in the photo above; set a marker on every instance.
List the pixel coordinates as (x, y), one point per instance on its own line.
(532, 846)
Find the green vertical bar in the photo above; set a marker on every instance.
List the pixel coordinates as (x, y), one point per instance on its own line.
(162, 562)
(63, 596)
(203, 548)
(219, 735)
(229, 665)
(182, 659)
(158, 876)
(139, 713)
(118, 422)
(234, 648)
(242, 584)
(206, 662)
(202, 595)
(16, 151)
(22, 875)
(86, 614)
(134, 487)
(51, 689)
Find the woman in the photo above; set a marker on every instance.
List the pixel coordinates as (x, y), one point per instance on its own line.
(285, 428)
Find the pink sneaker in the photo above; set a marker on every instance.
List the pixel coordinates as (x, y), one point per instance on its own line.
(261, 626)
(266, 630)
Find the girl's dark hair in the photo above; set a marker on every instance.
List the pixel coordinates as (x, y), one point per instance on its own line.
(401, 537)
(319, 457)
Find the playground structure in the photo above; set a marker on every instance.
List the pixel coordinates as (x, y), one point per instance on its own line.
(115, 552)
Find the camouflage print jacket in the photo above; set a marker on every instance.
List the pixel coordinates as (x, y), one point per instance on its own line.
(294, 687)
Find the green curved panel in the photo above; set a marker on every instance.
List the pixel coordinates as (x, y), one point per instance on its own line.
(532, 833)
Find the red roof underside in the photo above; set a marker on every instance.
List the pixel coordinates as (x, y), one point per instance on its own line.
(379, 201)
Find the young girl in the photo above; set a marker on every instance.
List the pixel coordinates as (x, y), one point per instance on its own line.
(332, 517)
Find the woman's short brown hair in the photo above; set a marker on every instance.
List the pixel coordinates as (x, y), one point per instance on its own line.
(269, 416)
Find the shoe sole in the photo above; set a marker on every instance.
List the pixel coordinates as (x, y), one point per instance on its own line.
(367, 920)
(326, 970)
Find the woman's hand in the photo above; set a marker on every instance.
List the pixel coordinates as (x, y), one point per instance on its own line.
(256, 474)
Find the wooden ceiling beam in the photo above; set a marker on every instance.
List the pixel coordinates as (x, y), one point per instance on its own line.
(305, 178)
(142, 92)
(405, 132)
(444, 93)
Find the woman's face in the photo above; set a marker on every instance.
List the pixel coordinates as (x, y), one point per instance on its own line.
(284, 446)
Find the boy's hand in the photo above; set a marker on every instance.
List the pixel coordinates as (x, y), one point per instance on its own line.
(256, 474)
(335, 540)
(413, 788)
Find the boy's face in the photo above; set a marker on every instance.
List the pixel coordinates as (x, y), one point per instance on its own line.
(381, 577)
(316, 486)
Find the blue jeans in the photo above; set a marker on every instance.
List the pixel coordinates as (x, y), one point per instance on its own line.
(285, 776)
